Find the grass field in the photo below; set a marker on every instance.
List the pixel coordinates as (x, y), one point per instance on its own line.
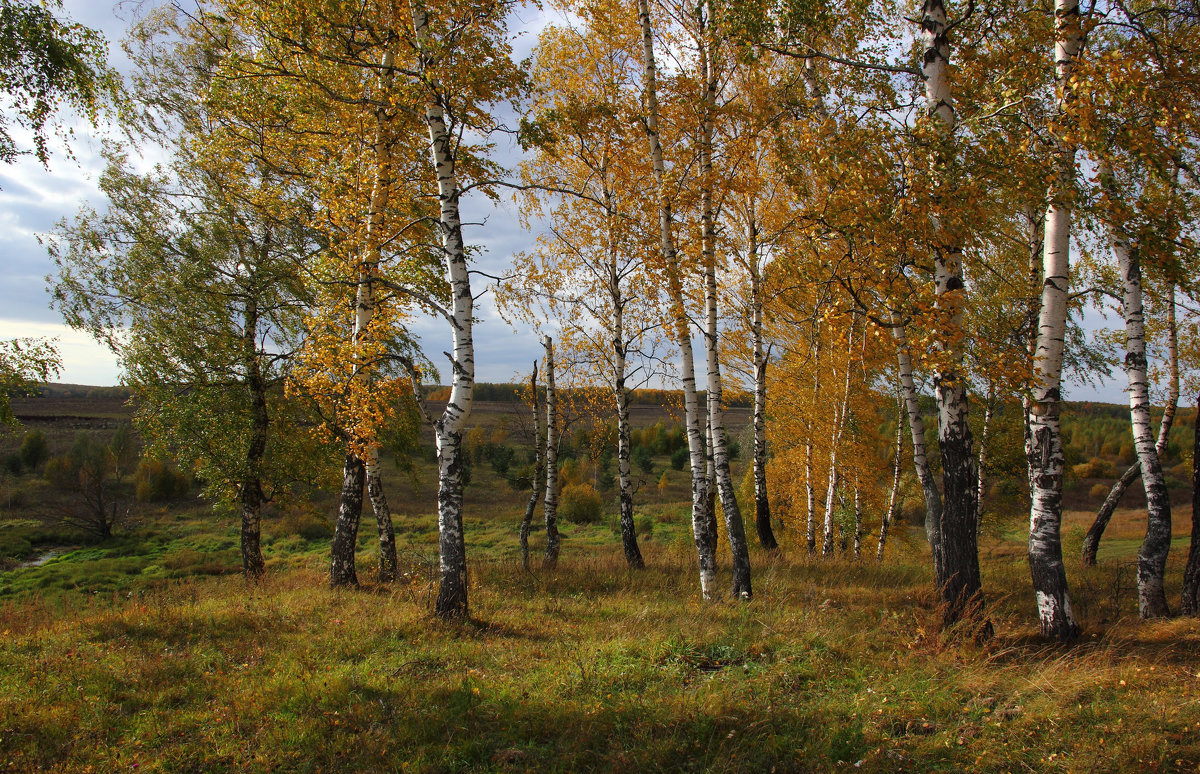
(148, 652)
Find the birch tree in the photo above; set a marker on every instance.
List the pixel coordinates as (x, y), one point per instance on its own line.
(680, 327)
(1045, 544)
(193, 277)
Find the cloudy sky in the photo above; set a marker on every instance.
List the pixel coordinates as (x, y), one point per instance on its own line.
(33, 199)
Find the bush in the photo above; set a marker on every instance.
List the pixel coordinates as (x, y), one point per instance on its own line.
(1098, 491)
(157, 481)
(734, 449)
(306, 524)
(643, 459)
(12, 464)
(680, 458)
(34, 450)
(580, 504)
(1093, 468)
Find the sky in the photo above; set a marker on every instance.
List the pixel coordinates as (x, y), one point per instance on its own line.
(33, 198)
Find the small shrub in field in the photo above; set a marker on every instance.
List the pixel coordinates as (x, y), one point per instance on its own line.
(1093, 468)
(734, 449)
(580, 504)
(306, 524)
(680, 458)
(60, 472)
(1098, 491)
(643, 459)
(156, 481)
(644, 525)
(12, 464)
(34, 450)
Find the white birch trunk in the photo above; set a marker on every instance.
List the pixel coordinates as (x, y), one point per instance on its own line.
(989, 408)
(894, 496)
(1152, 557)
(835, 444)
(550, 560)
(538, 486)
(735, 529)
(916, 424)
(762, 503)
(810, 530)
(858, 521)
(633, 553)
(678, 314)
(1045, 517)
(957, 567)
(452, 592)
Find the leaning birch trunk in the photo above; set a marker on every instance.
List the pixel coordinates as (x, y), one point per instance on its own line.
(834, 444)
(957, 566)
(858, 521)
(350, 512)
(538, 485)
(452, 591)
(633, 552)
(1152, 557)
(1091, 541)
(989, 409)
(810, 493)
(1045, 514)
(550, 559)
(1190, 603)
(735, 528)
(383, 517)
(250, 491)
(894, 496)
(677, 314)
(342, 570)
(710, 482)
(762, 503)
(916, 424)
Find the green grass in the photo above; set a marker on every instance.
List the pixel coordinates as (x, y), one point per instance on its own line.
(144, 652)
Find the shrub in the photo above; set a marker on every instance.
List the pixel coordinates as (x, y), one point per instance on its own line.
(157, 481)
(734, 449)
(306, 524)
(12, 464)
(34, 450)
(643, 459)
(580, 504)
(680, 458)
(1098, 491)
(1093, 468)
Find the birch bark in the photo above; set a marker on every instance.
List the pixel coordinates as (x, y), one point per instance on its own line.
(1091, 541)
(894, 495)
(452, 551)
(342, 570)
(916, 424)
(1190, 602)
(762, 503)
(251, 491)
(364, 311)
(550, 559)
(835, 443)
(957, 568)
(1152, 557)
(1045, 516)
(538, 486)
(735, 528)
(678, 314)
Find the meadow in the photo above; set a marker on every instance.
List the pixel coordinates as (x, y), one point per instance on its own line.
(149, 652)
